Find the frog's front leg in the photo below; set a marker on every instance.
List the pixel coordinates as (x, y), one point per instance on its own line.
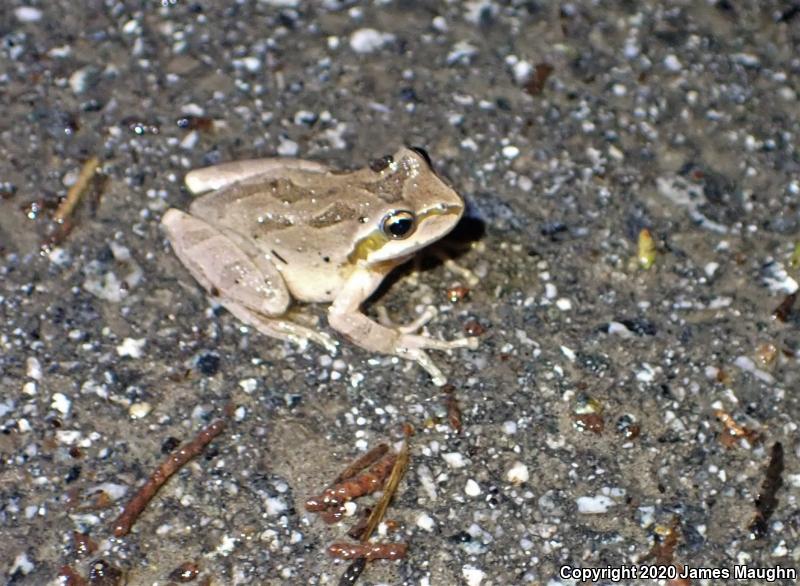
(344, 315)
(243, 281)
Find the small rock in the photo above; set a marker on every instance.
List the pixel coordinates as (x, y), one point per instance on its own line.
(518, 473)
(472, 488)
(61, 403)
(28, 14)
(132, 348)
(367, 40)
(139, 410)
(594, 505)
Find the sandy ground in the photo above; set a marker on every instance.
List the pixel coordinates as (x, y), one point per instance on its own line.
(612, 416)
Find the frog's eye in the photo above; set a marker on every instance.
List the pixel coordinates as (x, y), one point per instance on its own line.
(398, 225)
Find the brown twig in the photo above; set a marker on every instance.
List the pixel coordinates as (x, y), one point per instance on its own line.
(356, 486)
(352, 572)
(168, 467)
(77, 191)
(368, 551)
(363, 462)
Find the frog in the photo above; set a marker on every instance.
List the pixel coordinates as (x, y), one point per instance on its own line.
(266, 236)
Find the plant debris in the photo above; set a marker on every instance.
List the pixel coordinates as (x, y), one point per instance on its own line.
(766, 501)
(354, 486)
(734, 432)
(646, 249)
(536, 83)
(384, 470)
(368, 551)
(168, 467)
(784, 310)
(453, 408)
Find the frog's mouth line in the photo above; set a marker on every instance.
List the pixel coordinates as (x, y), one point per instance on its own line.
(376, 239)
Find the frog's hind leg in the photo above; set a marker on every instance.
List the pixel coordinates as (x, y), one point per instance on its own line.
(223, 267)
(219, 176)
(280, 328)
(243, 282)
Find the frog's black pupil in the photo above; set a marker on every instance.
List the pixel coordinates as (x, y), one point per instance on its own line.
(400, 227)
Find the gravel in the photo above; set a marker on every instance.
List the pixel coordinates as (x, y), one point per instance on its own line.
(569, 128)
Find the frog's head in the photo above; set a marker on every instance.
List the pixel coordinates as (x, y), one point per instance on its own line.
(417, 208)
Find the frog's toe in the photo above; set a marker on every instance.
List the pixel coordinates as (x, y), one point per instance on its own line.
(331, 346)
(420, 357)
(410, 328)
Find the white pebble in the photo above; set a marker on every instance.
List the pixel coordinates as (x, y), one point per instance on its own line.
(282, 3)
(275, 506)
(34, 368)
(564, 304)
(518, 473)
(139, 410)
(252, 64)
(367, 40)
(248, 385)
(454, 459)
(304, 117)
(190, 140)
(473, 575)
(113, 490)
(68, 436)
(425, 522)
(61, 403)
(440, 24)
(647, 374)
(780, 550)
(21, 565)
(288, 148)
(522, 71)
(28, 14)
(593, 505)
(510, 152)
(569, 353)
(472, 488)
(509, 427)
(672, 63)
(29, 388)
(131, 347)
(78, 79)
(615, 327)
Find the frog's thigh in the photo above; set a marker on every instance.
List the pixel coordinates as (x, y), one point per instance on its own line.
(219, 176)
(280, 328)
(223, 268)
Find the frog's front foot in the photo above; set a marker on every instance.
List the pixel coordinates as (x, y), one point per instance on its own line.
(412, 347)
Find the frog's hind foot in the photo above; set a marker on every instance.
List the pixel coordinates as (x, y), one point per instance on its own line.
(409, 328)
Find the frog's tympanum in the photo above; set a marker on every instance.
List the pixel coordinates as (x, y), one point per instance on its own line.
(272, 230)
